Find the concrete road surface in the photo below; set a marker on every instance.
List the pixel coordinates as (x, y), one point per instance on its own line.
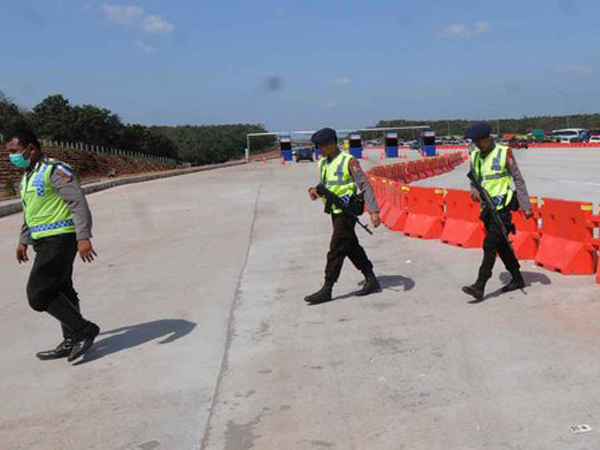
(208, 344)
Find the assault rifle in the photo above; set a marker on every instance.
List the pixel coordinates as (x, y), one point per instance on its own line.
(489, 204)
(340, 203)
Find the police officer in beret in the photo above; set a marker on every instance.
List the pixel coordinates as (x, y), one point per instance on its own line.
(58, 224)
(341, 174)
(496, 168)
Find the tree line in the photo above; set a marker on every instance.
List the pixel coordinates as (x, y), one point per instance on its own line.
(55, 118)
(501, 126)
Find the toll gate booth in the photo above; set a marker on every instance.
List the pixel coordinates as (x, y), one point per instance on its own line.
(356, 147)
(285, 147)
(391, 145)
(428, 143)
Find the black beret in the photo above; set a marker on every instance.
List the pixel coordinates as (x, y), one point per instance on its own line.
(324, 136)
(478, 130)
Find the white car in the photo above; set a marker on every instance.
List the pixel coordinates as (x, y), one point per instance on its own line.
(595, 139)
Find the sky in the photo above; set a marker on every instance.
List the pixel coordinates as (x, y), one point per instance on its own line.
(304, 64)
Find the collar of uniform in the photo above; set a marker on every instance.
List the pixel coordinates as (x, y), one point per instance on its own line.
(43, 159)
(331, 159)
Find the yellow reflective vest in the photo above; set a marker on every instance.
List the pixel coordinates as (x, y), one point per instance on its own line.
(336, 177)
(492, 171)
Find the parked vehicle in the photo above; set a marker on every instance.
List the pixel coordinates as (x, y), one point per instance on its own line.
(514, 143)
(304, 153)
(568, 135)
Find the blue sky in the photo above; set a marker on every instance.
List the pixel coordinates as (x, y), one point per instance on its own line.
(303, 64)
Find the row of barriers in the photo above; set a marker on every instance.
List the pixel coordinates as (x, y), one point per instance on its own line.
(559, 237)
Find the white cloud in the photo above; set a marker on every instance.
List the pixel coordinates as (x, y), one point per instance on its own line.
(157, 25)
(342, 81)
(481, 28)
(330, 104)
(122, 15)
(464, 30)
(146, 47)
(573, 69)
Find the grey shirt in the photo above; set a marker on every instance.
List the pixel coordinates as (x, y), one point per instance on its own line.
(519, 181)
(363, 185)
(68, 188)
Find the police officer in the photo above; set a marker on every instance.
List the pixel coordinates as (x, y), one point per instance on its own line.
(496, 168)
(342, 175)
(58, 224)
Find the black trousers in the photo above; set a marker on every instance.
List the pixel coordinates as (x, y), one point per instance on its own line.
(344, 242)
(51, 276)
(495, 244)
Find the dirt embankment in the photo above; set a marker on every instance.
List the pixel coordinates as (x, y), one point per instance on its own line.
(88, 165)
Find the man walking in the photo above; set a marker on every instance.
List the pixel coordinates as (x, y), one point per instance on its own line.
(496, 168)
(58, 224)
(343, 176)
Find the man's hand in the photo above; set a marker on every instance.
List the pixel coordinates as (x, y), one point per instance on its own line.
(86, 250)
(476, 197)
(22, 253)
(528, 213)
(312, 193)
(375, 220)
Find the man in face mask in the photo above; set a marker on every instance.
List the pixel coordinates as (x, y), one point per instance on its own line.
(58, 223)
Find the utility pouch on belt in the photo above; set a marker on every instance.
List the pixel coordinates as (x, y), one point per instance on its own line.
(357, 204)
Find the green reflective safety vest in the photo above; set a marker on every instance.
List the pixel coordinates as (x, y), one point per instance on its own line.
(46, 214)
(336, 177)
(492, 171)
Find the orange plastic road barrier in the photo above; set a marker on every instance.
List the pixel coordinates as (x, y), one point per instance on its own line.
(567, 237)
(463, 227)
(388, 204)
(397, 217)
(425, 212)
(412, 171)
(283, 161)
(382, 199)
(526, 240)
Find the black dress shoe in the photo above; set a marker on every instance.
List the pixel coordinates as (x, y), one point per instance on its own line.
(321, 296)
(474, 291)
(517, 282)
(62, 351)
(84, 341)
(371, 286)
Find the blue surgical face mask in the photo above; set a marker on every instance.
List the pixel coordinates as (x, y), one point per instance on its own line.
(19, 161)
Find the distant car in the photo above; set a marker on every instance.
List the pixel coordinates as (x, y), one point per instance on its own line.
(306, 153)
(518, 144)
(595, 139)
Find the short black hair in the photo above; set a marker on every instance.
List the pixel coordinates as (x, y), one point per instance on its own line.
(25, 137)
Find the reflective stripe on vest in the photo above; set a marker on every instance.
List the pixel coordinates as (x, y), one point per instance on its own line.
(492, 170)
(46, 214)
(336, 176)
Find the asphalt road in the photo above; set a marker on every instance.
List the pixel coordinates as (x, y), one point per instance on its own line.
(208, 344)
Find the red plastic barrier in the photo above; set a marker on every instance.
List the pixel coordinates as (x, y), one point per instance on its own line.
(526, 240)
(567, 233)
(463, 227)
(387, 205)
(425, 212)
(396, 202)
(412, 171)
(397, 221)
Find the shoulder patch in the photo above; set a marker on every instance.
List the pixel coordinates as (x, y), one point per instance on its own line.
(354, 165)
(66, 173)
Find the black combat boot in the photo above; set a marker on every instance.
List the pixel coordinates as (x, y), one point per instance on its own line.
(62, 351)
(475, 290)
(83, 341)
(371, 284)
(517, 282)
(321, 296)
